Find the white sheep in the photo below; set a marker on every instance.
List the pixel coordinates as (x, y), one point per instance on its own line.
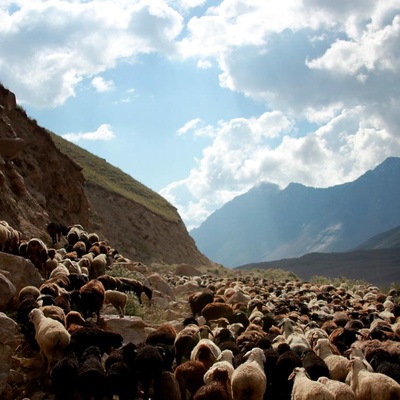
(98, 266)
(337, 364)
(60, 270)
(306, 389)
(248, 379)
(51, 336)
(116, 299)
(371, 385)
(223, 362)
(294, 336)
(201, 353)
(341, 390)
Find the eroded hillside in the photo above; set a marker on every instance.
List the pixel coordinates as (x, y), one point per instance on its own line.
(39, 184)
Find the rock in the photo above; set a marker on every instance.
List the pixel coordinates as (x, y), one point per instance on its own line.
(7, 292)
(157, 282)
(20, 271)
(132, 329)
(188, 287)
(238, 297)
(9, 339)
(188, 270)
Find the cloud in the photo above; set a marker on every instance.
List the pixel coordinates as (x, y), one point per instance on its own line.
(190, 125)
(49, 48)
(103, 132)
(101, 85)
(246, 152)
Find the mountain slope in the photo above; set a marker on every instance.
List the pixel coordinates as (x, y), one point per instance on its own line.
(50, 179)
(270, 224)
(380, 267)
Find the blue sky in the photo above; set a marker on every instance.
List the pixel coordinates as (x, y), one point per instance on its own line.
(202, 100)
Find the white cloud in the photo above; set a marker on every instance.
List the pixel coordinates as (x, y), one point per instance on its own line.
(102, 85)
(189, 126)
(246, 152)
(49, 47)
(103, 132)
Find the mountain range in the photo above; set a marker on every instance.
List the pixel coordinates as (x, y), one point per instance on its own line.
(268, 223)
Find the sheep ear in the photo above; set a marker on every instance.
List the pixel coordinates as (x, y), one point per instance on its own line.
(293, 374)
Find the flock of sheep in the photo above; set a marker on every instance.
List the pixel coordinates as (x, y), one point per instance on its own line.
(246, 337)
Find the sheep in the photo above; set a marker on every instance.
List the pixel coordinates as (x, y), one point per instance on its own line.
(306, 389)
(218, 388)
(217, 310)
(223, 362)
(92, 298)
(382, 362)
(190, 375)
(51, 336)
(91, 374)
(296, 340)
(98, 266)
(137, 287)
(55, 230)
(371, 385)
(120, 372)
(337, 364)
(205, 351)
(9, 238)
(314, 365)
(149, 367)
(54, 312)
(286, 362)
(64, 377)
(248, 379)
(36, 252)
(117, 299)
(88, 336)
(197, 301)
(340, 390)
(28, 290)
(185, 341)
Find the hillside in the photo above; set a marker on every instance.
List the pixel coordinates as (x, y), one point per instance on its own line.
(380, 267)
(49, 179)
(268, 223)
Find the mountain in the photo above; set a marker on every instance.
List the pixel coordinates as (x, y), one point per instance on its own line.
(379, 267)
(44, 178)
(268, 223)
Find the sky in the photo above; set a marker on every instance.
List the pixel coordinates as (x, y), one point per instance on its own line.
(203, 100)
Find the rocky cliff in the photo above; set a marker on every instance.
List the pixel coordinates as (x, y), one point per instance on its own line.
(39, 184)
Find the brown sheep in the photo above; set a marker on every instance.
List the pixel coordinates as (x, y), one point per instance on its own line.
(217, 310)
(92, 295)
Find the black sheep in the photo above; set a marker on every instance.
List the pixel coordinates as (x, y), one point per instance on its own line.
(287, 361)
(91, 375)
(314, 365)
(64, 377)
(121, 377)
(383, 362)
(149, 367)
(85, 337)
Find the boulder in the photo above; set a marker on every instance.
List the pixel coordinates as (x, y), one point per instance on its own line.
(9, 340)
(7, 292)
(155, 281)
(188, 270)
(20, 271)
(188, 287)
(131, 328)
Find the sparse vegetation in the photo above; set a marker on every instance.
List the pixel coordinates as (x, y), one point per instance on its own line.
(323, 280)
(98, 171)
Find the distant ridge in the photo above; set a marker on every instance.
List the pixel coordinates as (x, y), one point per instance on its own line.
(267, 223)
(379, 267)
